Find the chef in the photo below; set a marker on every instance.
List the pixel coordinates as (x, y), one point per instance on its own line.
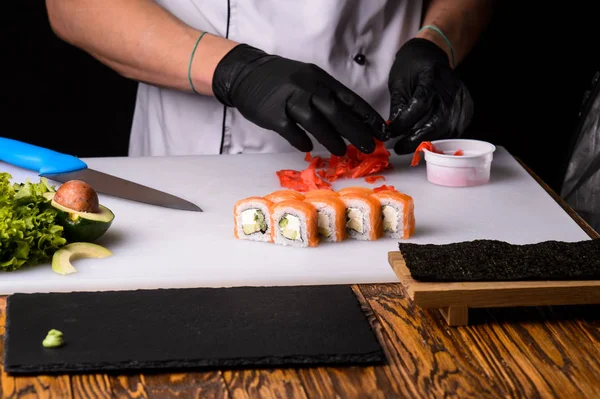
(254, 76)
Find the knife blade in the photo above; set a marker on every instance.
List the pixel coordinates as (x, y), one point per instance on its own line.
(63, 167)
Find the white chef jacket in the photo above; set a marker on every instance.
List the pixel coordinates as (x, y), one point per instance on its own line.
(336, 35)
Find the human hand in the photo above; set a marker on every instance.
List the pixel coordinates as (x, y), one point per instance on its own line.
(277, 93)
(428, 100)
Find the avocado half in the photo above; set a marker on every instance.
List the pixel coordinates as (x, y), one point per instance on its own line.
(82, 226)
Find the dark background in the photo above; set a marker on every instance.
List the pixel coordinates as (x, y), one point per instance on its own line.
(527, 77)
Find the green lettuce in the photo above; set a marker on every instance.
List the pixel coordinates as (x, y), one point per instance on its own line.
(29, 231)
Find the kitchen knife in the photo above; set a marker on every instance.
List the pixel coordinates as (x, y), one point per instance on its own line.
(62, 168)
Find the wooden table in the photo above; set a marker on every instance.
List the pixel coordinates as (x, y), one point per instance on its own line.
(538, 352)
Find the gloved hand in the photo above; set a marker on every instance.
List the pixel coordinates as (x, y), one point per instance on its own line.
(428, 100)
(277, 93)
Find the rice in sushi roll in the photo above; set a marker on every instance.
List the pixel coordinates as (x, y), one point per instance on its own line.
(295, 224)
(398, 215)
(252, 217)
(363, 216)
(281, 195)
(331, 217)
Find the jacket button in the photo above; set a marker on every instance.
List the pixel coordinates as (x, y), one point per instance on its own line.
(360, 59)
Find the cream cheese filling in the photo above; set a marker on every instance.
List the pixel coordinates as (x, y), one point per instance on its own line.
(289, 225)
(323, 224)
(355, 219)
(390, 218)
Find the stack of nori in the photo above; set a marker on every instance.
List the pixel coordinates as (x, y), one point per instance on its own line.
(492, 260)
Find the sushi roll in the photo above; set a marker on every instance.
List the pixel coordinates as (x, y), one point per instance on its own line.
(281, 195)
(319, 192)
(295, 224)
(397, 211)
(363, 216)
(252, 218)
(331, 217)
(356, 189)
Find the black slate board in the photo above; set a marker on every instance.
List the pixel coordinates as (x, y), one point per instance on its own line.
(137, 330)
(493, 260)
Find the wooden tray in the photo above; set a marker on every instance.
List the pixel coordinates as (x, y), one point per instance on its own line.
(454, 299)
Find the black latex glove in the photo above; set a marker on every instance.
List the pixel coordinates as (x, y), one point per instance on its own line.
(278, 93)
(428, 100)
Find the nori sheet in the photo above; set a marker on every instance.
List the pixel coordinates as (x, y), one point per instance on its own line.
(493, 260)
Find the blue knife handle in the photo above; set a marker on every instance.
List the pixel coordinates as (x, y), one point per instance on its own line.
(42, 160)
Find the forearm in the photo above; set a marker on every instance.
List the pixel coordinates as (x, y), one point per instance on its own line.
(462, 22)
(140, 40)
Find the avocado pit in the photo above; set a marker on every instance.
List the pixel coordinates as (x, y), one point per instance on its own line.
(78, 196)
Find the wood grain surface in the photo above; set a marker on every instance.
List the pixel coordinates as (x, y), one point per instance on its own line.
(506, 352)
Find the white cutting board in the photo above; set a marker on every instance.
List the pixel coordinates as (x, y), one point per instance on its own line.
(162, 248)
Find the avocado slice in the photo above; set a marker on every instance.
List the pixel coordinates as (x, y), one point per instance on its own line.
(324, 232)
(289, 233)
(82, 226)
(355, 225)
(62, 258)
(250, 228)
(259, 218)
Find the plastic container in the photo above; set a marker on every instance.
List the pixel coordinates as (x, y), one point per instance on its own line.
(470, 169)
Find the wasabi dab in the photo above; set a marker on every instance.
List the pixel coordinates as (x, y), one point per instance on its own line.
(54, 339)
